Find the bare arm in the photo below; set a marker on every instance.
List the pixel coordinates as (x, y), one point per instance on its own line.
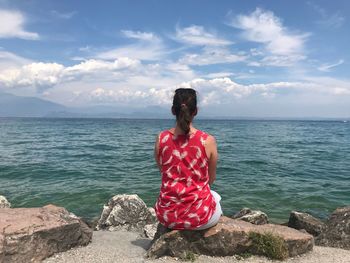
(212, 153)
(156, 151)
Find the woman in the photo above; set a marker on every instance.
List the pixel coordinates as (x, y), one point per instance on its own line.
(187, 160)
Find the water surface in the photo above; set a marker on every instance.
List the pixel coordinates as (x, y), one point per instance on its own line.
(274, 166)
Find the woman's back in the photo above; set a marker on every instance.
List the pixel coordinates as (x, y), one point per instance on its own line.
(185, 200)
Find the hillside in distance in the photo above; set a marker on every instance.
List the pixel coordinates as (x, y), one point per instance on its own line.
(20, 106)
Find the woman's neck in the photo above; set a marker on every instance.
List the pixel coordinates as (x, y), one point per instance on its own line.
(179, 131)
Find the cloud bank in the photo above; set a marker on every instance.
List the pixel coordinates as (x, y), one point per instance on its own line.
(148, 67)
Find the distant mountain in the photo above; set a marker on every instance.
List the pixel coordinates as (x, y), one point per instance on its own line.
(18, 106)
(103, 111)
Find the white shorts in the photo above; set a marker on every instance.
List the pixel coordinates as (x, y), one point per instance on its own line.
(217, 214)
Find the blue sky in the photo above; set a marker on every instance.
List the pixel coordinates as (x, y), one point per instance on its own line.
(245, 58)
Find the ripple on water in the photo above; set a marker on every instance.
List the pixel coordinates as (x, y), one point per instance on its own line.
(275, 166)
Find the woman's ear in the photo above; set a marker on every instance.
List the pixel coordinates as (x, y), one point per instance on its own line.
(195, 112)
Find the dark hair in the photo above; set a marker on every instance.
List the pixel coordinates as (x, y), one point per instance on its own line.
(185, 107)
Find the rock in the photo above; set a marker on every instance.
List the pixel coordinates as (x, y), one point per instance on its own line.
(33, 234)
(4, 203)
(307, 222)
(337, 232)
(161, 230)
(153, 213)
(252, 216)
(128, 212)
(229, 237)
(150, 230)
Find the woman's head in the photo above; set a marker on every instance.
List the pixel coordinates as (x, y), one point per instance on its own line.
(184, 107)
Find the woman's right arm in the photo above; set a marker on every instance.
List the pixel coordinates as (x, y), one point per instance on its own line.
(212, 153)
(156, 151)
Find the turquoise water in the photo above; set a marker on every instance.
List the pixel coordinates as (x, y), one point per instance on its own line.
(274, 166)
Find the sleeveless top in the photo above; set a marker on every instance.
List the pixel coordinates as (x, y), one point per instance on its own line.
(185, 200)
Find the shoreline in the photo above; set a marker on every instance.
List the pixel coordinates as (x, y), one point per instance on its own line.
(126, 247)
(126, 228)
(281, 220)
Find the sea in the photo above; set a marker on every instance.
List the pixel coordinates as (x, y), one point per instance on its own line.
(275, 166)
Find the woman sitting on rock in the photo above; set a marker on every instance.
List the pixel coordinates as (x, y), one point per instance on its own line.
(187, 160)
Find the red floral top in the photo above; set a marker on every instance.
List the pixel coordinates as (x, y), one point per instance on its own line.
(185, 201)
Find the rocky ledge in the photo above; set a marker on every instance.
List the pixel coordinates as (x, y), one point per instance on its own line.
(337, 230)
(33, 234)
(230, 237)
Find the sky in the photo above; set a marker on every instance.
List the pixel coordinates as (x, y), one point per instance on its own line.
(244, 58)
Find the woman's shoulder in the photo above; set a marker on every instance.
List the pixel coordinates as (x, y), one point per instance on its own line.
(164, 135)
(204, 134)
(206, 138)
(165, 132)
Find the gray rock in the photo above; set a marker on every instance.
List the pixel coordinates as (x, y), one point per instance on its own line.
(128, 212)
(252, 216)
(153, 213)
(4, 203)
(227, 238)
(150, 230)
(307, 222)
(337, 232)
(161, 230)
(33, 234)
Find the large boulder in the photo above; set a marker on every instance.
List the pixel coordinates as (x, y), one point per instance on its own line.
(252, 216)
(307, 222)
(231, 236)
(125, 212)
(4, 203)
(33, 234)
(337, 232)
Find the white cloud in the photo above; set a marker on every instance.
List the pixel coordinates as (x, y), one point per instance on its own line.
(12, 26)
(219, 75)
(46, 75)
(210, 56)
(149, 47)
(145, 36)
(224, 90)
(94, 66)
(129, 82)
(40, 75)
(123, 96)
(197, 35)
(264, 27)
(216, 92)
(328, 67)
